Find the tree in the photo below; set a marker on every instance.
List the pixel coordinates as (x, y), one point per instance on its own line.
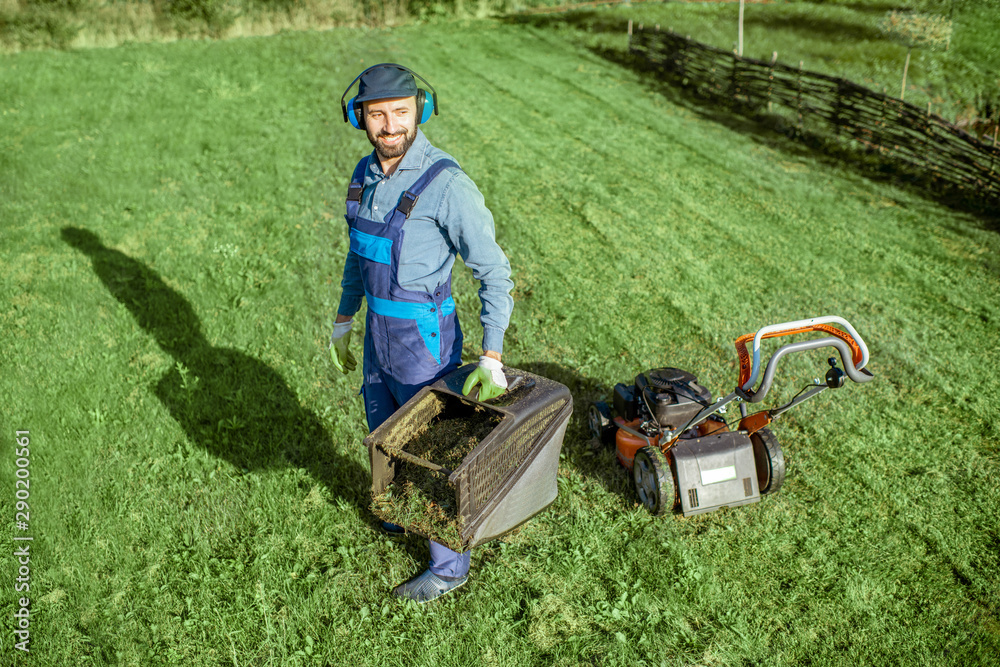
(912, 29)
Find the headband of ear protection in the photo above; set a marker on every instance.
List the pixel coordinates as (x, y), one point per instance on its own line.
(353, 109)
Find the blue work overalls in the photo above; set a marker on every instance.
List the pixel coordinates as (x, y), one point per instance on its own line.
(412, 338)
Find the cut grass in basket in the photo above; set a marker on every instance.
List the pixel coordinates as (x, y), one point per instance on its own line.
(421, 499)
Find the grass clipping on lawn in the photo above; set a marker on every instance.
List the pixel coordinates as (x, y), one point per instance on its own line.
(421, 499)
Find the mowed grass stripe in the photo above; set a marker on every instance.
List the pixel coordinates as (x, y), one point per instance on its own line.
(784, 243)
(111, 463)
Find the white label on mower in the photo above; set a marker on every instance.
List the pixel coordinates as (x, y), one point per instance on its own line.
(718, 475)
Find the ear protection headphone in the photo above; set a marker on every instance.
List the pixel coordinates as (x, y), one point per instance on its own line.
(426, 105)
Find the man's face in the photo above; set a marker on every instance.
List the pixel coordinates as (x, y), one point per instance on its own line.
(391, 125)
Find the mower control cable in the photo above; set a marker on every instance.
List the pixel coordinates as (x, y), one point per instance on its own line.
(718, 406)
(642, 392)
(807, 392)
(834, 380)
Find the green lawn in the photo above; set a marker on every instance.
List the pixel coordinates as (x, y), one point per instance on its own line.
(171, 220)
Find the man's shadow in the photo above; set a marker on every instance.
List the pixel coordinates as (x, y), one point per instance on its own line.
(236, 407)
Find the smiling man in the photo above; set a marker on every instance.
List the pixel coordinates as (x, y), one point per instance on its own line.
(410, 211)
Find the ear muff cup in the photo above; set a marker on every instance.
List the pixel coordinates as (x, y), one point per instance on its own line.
(425, 109)
(425, 106)
(354, 115)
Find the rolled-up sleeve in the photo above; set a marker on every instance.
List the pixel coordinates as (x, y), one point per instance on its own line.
(353, 288)
(470, 228)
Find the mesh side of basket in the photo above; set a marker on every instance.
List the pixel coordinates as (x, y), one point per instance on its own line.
(532, 489)
(493, 466)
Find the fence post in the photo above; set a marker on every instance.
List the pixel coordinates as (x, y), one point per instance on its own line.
(740, 47)
(661, 48)
(683, 64)
(837, 104)
(993, 156)
(927, 131)
(735, 81)
(798, 97)
(770, 80)
(881, 123)
(993, 153)
(897, 122)
(630, 35)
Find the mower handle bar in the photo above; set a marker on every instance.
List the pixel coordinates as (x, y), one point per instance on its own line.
(813, 324)
(856, 374)
(852, 349)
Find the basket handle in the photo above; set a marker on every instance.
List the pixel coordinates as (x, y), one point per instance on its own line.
(750, 364)
(416, 460)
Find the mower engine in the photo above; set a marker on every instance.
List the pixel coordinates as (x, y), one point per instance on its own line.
(668, 396)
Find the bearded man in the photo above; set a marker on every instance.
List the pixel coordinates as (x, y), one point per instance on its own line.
(410, 211)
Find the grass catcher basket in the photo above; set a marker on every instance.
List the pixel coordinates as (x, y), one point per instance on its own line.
(463, 472)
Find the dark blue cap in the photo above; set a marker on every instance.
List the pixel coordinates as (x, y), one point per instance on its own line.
(385, 82)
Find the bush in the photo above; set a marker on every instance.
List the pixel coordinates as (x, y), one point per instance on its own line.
(71, 5)
(190, 15)
(39, 29)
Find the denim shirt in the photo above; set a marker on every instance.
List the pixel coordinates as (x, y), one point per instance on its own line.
(449, 218)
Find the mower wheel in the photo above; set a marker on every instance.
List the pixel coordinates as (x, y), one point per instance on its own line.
(599, 422)
(653, 480)
(770, 461)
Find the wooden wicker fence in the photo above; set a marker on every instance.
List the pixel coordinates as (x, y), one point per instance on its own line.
(834, 109)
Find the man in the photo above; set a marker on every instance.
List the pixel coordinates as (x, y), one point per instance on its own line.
(410, 210)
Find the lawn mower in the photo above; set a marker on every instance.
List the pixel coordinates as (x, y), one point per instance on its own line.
(675, 440)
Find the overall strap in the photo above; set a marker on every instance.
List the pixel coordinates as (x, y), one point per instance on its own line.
(410, 197)
(357, 187)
